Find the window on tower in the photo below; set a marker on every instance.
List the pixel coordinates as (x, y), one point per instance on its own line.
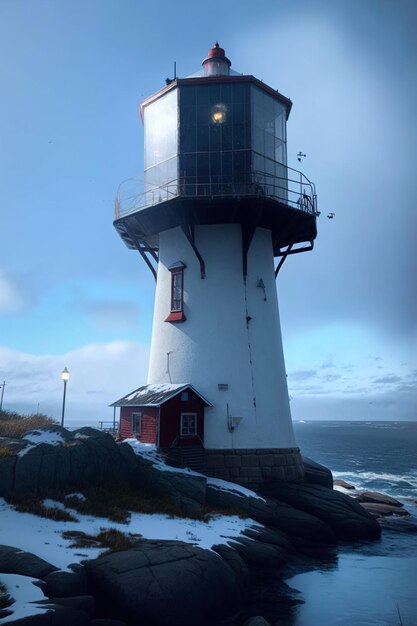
(177, 293)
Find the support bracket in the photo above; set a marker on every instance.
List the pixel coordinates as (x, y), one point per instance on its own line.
(188, 230)
(143, 248)
(289, 251)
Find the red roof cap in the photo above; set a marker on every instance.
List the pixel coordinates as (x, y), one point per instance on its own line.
(217, 53)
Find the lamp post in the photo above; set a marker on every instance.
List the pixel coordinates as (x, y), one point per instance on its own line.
(2, 394)
(65, 379)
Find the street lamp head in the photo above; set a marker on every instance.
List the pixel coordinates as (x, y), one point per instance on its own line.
(65, 375)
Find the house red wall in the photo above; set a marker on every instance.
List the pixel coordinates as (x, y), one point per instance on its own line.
(149, 420)
(170, 420)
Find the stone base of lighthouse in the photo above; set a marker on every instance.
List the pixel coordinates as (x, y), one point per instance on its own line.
(254, 467)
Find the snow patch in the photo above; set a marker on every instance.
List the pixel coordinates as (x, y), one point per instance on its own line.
(25, 594)
(149, 452)
(233, 488)
(43, 537)
(44, 436)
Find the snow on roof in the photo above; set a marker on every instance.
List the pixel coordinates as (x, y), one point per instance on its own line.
(155, 395)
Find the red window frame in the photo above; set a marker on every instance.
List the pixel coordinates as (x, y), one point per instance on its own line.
(177, 294)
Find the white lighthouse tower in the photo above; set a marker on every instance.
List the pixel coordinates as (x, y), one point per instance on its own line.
(219, 204)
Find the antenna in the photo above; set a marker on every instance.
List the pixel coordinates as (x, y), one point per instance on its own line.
(168, 81)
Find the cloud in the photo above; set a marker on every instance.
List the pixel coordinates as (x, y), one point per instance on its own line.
(11, 298)
(302, 374)
(392, 378)
(331, 377)
(99, 375)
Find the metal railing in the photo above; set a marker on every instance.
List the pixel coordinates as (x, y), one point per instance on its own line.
(293, 189)
(109, 427)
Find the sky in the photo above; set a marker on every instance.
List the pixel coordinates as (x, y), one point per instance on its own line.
(72, 295)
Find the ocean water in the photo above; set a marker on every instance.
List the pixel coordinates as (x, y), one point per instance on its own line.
(370, 583)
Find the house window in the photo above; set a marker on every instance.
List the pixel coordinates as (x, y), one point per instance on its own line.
(177, 293)
(184, 396)
(136, 423)
(188, 424)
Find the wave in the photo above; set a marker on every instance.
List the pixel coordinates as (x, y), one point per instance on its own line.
(402, 486)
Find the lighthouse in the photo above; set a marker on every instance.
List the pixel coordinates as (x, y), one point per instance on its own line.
(218, 214)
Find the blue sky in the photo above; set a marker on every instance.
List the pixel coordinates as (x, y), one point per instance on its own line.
(72, 75)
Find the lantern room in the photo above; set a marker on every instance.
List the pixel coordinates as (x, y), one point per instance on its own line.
(211, 137)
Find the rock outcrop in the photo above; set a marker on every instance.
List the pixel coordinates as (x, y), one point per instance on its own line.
(347, 518)
(165, 583)
(168, 582)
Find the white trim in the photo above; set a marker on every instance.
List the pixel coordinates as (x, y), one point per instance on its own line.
(136, 415)
(185, 435)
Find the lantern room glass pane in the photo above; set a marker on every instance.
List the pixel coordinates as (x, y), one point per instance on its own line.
(161, 140)
(214, 137)
(269, 144)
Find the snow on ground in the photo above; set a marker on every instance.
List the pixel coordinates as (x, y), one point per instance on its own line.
(149, 452)
(44, 436)
(40, 436)
(43, 536)
(234, 488)
(24, 593)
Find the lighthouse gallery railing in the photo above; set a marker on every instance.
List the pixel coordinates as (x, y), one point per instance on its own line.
(297, 192)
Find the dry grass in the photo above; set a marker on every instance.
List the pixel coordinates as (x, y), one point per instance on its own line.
(5, 599)
(5, 450)
(14, 425)
(33, 504)
(110, 538)
(116, 500)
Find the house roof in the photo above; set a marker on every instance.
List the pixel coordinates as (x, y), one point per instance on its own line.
(155, 395)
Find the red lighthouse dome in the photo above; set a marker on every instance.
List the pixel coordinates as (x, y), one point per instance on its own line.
(216, 63)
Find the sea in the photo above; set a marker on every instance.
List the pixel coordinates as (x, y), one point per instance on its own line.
(366, 583)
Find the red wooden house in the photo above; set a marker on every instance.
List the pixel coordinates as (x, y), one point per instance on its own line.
(171, 416)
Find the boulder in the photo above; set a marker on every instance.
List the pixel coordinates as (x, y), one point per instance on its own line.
(259, 553)
(7, 467)
(15, 561)
(165, 583)
(378, 498)
(377, 509)
(268, 511)
(188, 491)
(338, 482)
(316, 474)
(270, 536)
(346, 517)
(27, 468)
(256, 620)
(56, 616)
(104, 621)
(81, 603)
(235, 561)
(62, 583)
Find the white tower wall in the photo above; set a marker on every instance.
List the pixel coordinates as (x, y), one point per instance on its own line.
(231, 336)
